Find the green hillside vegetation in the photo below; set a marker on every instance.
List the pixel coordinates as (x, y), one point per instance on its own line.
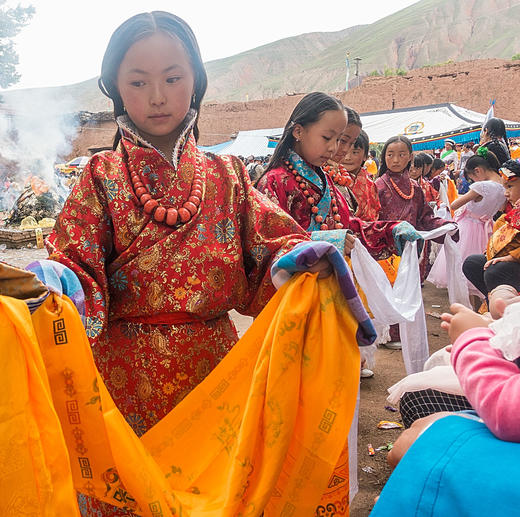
(426, 33)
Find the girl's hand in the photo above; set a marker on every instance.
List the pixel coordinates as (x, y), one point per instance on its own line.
(507, 258)
(462, 319)
(350, 239)
(323, 267)
(500, 304)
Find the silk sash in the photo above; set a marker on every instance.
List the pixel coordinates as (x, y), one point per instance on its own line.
(265, 431)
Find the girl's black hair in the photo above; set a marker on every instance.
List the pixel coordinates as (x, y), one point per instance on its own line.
(353, 117)
(136, 28)
(487, 160)
(513, 166)
(362, 142)
(496, 128)
(428, 158)
(422, 159)
(438, 164)
(309, 110)
(398, 138)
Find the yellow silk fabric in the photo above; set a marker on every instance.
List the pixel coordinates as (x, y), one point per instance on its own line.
(390, 267)
(452, 194)
(264, 431)
(35, 476)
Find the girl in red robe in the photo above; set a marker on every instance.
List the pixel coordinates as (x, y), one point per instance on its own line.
(164, 239)
(419, 169)
(363, 186)
(400, 196)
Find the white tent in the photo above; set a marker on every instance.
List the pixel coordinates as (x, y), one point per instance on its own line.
(426, 126)
(248, 143)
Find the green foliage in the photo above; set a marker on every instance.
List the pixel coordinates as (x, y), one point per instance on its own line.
(378, 147)
(374, 73)
(12, 20)
(516, 57)
(391, 72)
(444, 63)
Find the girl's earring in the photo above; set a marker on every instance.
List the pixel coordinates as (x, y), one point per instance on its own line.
(193, 99)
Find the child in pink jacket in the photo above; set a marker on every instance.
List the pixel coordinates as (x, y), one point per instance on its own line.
(482, 355)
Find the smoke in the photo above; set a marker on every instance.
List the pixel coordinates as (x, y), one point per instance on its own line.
(36, 130)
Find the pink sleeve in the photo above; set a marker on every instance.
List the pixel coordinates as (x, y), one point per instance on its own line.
(490, 382)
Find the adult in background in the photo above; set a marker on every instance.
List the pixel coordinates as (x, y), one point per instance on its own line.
(449, 155)
(465, 155)
(372, 163)
(494, 137)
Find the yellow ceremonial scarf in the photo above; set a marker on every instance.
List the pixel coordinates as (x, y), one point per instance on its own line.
(452, 193)
(266, 430)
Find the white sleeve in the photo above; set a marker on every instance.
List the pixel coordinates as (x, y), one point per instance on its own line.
(480, 187)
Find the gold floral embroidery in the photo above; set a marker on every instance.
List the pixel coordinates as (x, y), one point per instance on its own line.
(155, 296)
(180, 293)
(216, 278)
(159, 342)
(144, 388)
(149, 260)
(118, 377)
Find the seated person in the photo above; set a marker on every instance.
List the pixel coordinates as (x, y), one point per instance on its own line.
(501, 263)
(441, 450)
(437, 388)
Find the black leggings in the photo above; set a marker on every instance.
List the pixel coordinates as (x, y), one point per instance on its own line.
(418, 404)
(501, 273)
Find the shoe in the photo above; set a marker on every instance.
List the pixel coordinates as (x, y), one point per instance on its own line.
(366, 373)
(394, 345)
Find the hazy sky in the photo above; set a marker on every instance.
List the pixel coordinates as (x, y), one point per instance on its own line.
(65, 40)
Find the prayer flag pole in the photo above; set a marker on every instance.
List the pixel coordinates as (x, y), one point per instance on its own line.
(347, 63)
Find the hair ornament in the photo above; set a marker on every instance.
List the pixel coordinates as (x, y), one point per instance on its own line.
(482, 152)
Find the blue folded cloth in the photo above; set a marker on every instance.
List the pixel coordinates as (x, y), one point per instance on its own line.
(404, 232)
(60, 280)
(305, 255)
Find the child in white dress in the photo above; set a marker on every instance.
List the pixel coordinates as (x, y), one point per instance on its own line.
(474, 213)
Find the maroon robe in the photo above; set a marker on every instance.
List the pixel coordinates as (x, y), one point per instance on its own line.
(415, 210)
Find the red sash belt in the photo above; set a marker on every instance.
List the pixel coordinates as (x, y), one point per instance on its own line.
(165, 318)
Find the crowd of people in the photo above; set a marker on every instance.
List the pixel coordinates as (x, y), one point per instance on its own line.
(159, 241)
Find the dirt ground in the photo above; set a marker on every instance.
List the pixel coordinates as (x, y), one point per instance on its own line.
(373, 471)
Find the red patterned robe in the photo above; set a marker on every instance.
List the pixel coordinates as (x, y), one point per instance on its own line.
(281, 187)
(430, 194)
(157, 298)
(365, 191)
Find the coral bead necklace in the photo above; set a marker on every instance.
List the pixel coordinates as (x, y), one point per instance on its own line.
(169, 215)
(400, 192)
(339, 175)
(320, 220)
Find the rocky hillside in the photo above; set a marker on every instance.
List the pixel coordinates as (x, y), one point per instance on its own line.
(469, 84)
(426, 33)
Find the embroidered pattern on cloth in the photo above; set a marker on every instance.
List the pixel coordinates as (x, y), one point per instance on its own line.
(230, 461)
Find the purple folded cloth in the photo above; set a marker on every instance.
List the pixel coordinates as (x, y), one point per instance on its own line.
(305, 255)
